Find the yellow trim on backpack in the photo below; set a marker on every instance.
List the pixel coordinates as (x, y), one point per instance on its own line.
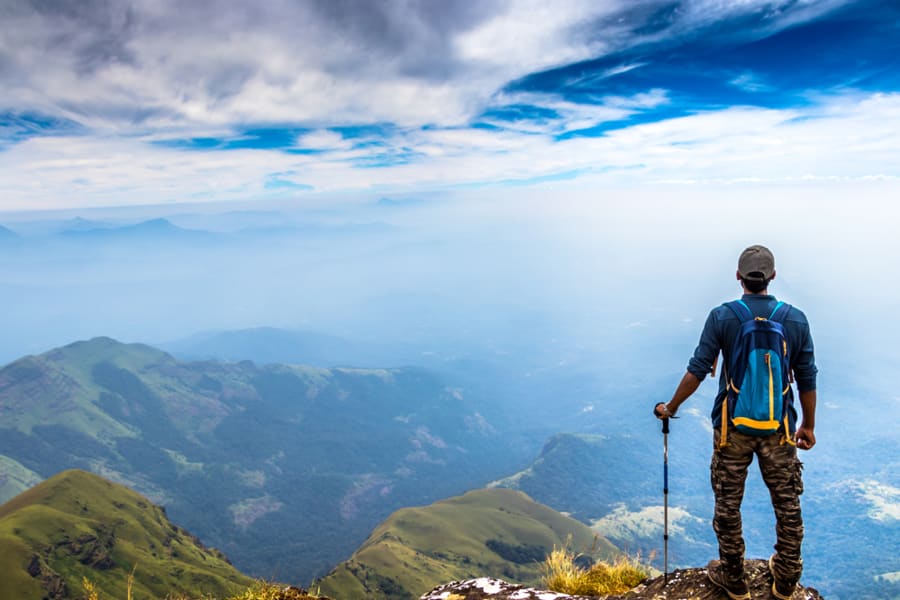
(787, 433)
(771, 387)
(754, 424)
(723, 439)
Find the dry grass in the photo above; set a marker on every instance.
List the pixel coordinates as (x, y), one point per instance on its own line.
(271, 591)
(90, 590)
(561, 574)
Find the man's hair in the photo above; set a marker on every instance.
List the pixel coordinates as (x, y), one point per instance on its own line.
(755, 286)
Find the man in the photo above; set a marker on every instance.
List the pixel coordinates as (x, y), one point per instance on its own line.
(733, 450)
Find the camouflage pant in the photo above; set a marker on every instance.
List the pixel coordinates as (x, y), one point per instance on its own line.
(781, 471)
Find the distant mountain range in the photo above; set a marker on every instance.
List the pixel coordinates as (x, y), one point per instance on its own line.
(78, 525)
(7, 234)
(154, 229)
(268, 226)
(77, 224)
(285, 468)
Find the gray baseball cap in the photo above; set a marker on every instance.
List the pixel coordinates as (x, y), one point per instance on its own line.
(756, 262)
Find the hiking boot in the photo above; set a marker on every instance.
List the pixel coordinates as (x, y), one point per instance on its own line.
(780, 589)
(733, 583)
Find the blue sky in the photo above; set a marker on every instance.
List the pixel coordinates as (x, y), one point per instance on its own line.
(136, 103)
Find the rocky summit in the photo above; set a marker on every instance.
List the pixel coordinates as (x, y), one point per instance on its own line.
(682, 584)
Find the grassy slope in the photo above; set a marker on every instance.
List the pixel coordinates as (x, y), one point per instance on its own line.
(62, 379)
(418, 548)
(80, 525)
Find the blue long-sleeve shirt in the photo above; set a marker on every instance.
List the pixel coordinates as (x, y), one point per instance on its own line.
(722, 328)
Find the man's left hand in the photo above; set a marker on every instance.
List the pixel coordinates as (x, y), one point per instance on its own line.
(805, 438)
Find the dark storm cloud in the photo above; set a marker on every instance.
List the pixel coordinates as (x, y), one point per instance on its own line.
(416, 36)
(95, 32)
(214, 48)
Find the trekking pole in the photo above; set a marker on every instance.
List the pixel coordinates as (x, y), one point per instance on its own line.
(665, 431)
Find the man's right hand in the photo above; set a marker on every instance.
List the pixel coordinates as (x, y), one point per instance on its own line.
(661, 411)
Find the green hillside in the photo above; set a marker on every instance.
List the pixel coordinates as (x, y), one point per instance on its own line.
(257, 460)
(77, 525)
(500, 533)
(583, 474)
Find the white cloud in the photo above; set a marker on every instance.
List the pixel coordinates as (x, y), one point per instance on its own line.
(530, 36)
(750, 82)
(569, 116)
(893, 578)
(323, 140)
(647, 522)
(883, 499)
(702, 418)
(53, 172)
(847, 139)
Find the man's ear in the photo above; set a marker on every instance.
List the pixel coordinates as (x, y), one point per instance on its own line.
(737, 275)
(774, 273)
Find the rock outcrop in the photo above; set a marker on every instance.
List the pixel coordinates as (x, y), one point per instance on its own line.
(686, 584)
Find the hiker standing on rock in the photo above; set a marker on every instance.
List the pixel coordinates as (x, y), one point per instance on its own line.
(766, 345)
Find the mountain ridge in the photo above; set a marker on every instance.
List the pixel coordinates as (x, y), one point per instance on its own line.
(257, 459)
(7, 234)
(145, 230)
(78, 525)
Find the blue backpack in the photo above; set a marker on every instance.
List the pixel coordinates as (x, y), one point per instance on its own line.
(758, 377)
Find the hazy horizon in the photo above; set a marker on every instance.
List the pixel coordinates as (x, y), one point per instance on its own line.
(428, 272)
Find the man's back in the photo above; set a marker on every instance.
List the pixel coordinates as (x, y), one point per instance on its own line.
(722, 329)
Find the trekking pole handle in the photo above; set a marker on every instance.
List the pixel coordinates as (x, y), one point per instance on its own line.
(665, 421)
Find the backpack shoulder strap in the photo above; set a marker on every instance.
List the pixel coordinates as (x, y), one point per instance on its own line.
(780, 312)
(740, 310)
